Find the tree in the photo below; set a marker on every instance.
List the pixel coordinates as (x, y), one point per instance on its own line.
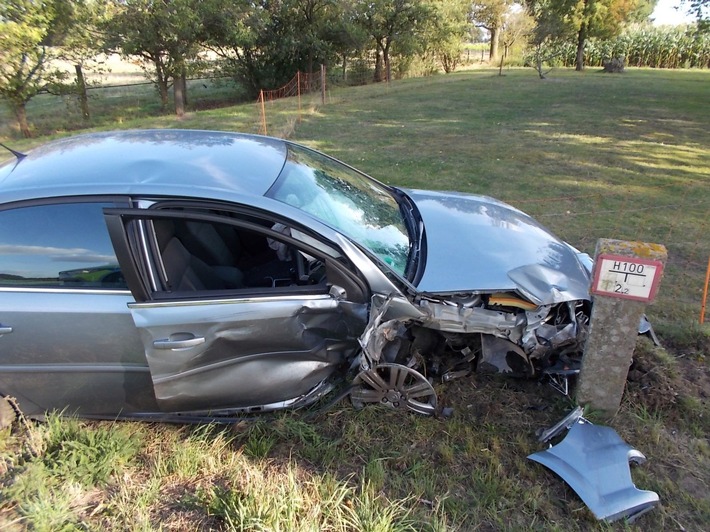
(26, 38)
(489, 14)
(516, 26)
(701, 10)
(390, 22)
(163, 34)
(79, 41)
(347, 39)
(310, 22)
(449, 25)
(232, 31)
(582, 19)
(262, 44)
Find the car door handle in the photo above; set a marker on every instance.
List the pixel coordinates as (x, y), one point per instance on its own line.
(184, 343)
(4, 329)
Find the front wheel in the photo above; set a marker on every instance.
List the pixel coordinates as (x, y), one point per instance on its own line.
(394, 386)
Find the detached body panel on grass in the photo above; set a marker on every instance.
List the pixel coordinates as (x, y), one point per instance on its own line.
(198, 275)
(594, 461)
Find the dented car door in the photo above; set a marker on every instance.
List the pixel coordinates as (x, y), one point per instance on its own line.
(242, 352)
(225, 331)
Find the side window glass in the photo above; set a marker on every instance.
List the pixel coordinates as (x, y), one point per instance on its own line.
(198, 255)
(57, 246)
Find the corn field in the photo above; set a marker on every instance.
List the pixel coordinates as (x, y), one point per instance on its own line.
(641, 46)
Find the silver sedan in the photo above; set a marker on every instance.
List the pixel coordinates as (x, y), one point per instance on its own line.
(198, 275)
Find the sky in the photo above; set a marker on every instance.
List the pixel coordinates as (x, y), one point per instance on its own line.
(665, 14)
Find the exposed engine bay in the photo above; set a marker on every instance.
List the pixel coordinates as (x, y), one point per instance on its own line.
(438, 340)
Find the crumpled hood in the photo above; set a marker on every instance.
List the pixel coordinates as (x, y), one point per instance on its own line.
(478, 243)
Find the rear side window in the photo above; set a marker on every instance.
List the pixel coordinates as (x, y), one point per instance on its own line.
(58, 246)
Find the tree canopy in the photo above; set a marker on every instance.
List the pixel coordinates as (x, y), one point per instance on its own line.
(164, 34)
(448, 28)
(28, 29)
(262, 43)
(391, 22)
(701, 10)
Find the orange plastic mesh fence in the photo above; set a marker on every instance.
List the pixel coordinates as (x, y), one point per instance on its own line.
(301, 83)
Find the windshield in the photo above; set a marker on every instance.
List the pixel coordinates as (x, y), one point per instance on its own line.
(346, 200)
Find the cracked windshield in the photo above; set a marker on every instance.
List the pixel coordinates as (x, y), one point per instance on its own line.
(345, 200)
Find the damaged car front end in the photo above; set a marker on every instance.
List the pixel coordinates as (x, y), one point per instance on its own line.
(461, 283)
(444, 338)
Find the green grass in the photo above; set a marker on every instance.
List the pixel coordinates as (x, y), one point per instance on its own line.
(590, 155)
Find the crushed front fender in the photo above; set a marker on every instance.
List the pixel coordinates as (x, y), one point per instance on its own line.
(594, 461)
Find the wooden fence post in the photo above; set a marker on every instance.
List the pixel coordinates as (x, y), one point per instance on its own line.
(298, 90)
(263, 112)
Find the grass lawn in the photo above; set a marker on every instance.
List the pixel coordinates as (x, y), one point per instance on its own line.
(589, 155)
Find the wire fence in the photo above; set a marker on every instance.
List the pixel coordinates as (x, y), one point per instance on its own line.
(301, 84)
(115, 103)
(361, 71)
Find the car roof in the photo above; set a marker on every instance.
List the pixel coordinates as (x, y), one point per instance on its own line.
(157, 161)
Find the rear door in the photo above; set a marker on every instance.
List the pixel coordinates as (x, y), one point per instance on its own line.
(234, 311)
(67, 339)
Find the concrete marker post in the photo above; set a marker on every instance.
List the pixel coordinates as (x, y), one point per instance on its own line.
(626, 278)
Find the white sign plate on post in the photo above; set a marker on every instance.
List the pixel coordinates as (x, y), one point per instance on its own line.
(626, 277)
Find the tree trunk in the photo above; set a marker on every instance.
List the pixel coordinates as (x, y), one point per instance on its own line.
(495, 37)
(163, 91)
(21, 115)
(581, 39)
(81, 90)
(179, 97)
(183, 80)
(379, 76)
(162, 82)
(538, 61)
(386, 59)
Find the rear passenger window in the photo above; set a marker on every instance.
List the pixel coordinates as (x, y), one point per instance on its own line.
(58, 246)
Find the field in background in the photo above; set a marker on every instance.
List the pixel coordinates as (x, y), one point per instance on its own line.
(589, 155)
(118, 92)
